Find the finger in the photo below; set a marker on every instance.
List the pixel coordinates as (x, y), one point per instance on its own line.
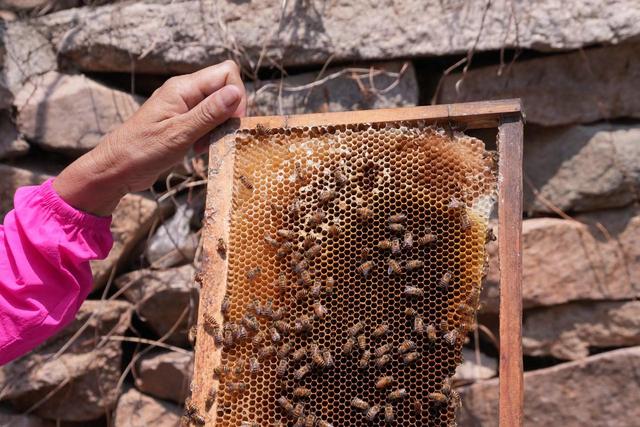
(209, 113)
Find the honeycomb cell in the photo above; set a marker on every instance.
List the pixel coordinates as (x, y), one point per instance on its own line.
(444, 184)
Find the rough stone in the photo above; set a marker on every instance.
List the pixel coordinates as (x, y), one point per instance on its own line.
(165, 374)
(337, 89)
(581, 168)
(568, 331)
(11, 143)
(593, 258)
(598, 391)
(11, 178)
(132, 219)
(138, 410)
(70, 113)
(12, 419)
(201, 32)
(173, 243)
(471, 371)
(25, 53)
(579, 87)
(161, 297)
(87, 369)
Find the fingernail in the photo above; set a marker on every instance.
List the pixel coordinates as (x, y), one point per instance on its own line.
(229, 95)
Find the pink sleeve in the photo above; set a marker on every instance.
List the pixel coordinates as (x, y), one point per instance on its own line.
(45, 248)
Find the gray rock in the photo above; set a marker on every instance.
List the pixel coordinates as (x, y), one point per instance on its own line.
(12, 178)
(86, 371)
(470, 370)
(581, 168)
(25, 54)
(11, 143)
(184, 36)
(579, 87)
(161, 297)
(568, 331)
(13, 419)
(173, 242)
(600, 391)
(593, 258)
(165, 374)
(337, 89)
(70, 113)
(138, 410)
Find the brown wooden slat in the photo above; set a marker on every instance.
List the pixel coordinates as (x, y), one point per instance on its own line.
(510, 253)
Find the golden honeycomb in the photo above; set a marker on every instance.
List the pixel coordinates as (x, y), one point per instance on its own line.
(343, 188)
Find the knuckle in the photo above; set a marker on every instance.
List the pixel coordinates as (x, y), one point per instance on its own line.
(231, 66)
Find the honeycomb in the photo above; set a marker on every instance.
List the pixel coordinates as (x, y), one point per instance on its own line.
(334, 228)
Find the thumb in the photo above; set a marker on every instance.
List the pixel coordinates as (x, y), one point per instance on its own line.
(211, 112)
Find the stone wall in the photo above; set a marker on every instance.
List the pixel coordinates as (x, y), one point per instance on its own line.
(72, 70)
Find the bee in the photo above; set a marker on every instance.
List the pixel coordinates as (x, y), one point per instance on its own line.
(364, 213)
(253, 273)
(362, 342)
(283, 327)
(271, 241)
(299, 354)
(438, 398)
(250, 322)
(211, 397)
(267, 352)
(254, 366)
(236, 387)
(413, 292)
(240, 334)
(221, 371)
(384, 382)
(418, 325)
(301, 295)
(328, 359)
(380, 330)
(360, 404)
(394, 267)
(410, 311)
(285, 249)
(398, 394)
(301, 372)
(365, 268)
(301, 266)
(327, 196)
(315, 290)
(222, 246)
(305, 278)
(197, 419)
(238, 368)
(365, 253)
(315, 218)
(388, 414)
(228, 340)
(274, 334)
(431, 333)
(410, 357)
(225, 305)
(323, 423)
(397, 218)
(395, 246)
(385, 245)
(316, 356)
(329, 285)
(313, 251)
(355, 329)
(301, 392)
(282, 283)
(319, 310)
(286, 405)
(406, 346)
(451, 337)
(454, 396)
(310, 421)
(445, 280)
(372, 413)
(382, 350)
(416, 405)
(302, 324)
(414, 264)
(364, 359)
(382, 361)
(427, 239)
(446, 386)
(340, 177)
(258, 338)
(396, 228)
(193, 332)
(281, 369)
(249, 424)
(218, 338)
(465, 309)
(333, 231)
(286, 234)
(245, 181)
(348, 346)
(284, 350)
(491, 237)
(465, 221)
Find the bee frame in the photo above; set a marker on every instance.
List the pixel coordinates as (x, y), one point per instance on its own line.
(503, 115)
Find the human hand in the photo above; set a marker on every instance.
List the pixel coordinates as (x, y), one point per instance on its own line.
(178, 115)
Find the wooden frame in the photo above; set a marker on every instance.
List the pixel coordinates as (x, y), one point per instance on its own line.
(504, 115)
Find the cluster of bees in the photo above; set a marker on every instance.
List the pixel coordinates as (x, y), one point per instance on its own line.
(267, 327)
